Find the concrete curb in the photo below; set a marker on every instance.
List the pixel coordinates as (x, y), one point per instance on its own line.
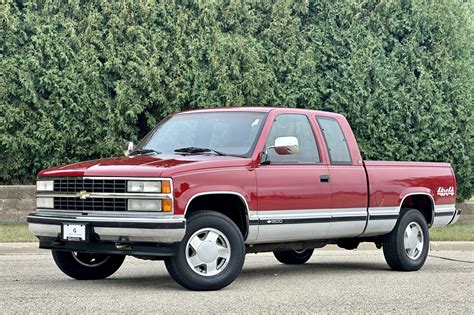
(32, 248)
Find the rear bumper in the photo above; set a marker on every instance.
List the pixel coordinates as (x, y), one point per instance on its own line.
(112, 227)
(456, 216)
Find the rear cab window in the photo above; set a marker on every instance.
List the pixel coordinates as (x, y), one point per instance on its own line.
(336, 142)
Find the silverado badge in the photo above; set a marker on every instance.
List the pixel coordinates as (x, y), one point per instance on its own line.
(83, 194)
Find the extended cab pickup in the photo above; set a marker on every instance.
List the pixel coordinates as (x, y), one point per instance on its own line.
(206, 187)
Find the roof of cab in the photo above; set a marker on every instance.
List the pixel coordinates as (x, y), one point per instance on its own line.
(260, 109)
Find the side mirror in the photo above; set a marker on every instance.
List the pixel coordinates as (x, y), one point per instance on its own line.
(128, 148)
(282, 146)
(286, 145)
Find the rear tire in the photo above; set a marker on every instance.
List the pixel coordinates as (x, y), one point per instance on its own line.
(211, 254)
(293, 257)
(406, 247)
(83, 266)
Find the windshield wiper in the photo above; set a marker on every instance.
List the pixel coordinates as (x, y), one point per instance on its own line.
(197, 150)
(144, 151)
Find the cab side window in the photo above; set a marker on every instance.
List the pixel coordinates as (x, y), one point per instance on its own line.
(293, 125)
(335, 140)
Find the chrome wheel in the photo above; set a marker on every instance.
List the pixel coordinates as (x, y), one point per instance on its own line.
(208, 252)
(406, 247)
(90, 260)
(211, 254)
(413, 240)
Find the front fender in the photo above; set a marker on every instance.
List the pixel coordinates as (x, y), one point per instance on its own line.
(240, 182)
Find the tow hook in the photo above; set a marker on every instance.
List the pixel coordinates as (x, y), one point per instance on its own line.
(123, 246)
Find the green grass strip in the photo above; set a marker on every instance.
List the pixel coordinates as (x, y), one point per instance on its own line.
(15, 232)
(460, 231)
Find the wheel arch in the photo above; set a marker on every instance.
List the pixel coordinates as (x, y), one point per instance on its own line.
(211, 200)
(421, 201)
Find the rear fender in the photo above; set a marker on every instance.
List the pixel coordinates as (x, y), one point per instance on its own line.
(412, 191)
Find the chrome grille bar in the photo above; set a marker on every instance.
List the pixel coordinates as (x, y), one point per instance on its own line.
(92, 204)
(73, 185)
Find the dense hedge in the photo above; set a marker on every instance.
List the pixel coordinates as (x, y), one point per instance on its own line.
(79, 77)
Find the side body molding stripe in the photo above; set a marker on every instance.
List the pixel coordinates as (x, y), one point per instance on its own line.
(309, 220)
(284, 225)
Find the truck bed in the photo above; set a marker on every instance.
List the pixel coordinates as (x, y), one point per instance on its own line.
(390, 183)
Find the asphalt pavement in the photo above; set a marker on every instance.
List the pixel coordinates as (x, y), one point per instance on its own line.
(332, 281)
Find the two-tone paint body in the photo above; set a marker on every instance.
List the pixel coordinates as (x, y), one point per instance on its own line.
(292, 202)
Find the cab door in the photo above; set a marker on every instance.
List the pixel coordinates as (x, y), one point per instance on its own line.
(348, 179)
(293, 190)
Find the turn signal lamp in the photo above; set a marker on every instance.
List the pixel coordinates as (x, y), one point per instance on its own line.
(165, 187)
(166, 205)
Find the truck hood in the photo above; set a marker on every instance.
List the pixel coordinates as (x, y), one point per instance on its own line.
(144, 166)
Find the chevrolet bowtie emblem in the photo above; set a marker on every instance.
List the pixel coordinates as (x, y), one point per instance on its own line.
(83, 194)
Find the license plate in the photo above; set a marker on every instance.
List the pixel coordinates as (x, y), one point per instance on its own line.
(74, 232)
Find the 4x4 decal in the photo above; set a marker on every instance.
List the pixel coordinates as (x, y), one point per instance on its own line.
(443, 192)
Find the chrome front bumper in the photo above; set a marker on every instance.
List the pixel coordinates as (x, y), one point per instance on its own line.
(111, 226)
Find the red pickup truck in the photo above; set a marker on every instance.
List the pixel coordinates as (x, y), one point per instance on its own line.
(206, 187)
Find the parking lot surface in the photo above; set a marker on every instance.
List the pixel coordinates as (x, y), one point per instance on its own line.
(332, 281)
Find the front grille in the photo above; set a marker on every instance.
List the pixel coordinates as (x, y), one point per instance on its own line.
(74, 185)
(92, 204)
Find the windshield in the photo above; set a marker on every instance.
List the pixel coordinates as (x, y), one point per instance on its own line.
(222, 133)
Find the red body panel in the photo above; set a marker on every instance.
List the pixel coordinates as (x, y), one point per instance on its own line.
(391, 182)
(144, 166)
(348, 186)
(273, 187)
(238, 180)
(277, 190)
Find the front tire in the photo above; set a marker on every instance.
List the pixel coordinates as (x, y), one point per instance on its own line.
(83, 266)
(211, 254)
(406, 247)
(293, 257)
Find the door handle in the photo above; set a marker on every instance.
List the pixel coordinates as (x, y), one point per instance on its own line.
(324, 178)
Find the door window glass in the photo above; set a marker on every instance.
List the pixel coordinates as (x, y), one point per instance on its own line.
(291, 125)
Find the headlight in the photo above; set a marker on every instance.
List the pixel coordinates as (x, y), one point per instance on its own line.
(45, 185)
(144, 205)
(140, 186)
(44, 202)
